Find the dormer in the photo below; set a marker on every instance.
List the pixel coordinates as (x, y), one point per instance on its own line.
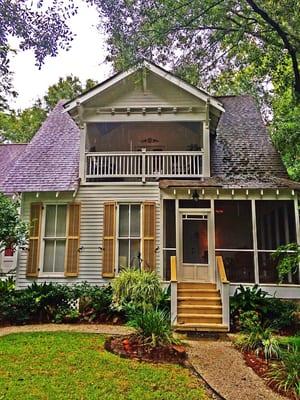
(145, 124)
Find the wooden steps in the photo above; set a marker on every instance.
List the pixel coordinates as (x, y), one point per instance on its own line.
(199, 308)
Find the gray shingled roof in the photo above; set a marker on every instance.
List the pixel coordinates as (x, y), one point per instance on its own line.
(242, 155)
(8, 156)
(50, 161)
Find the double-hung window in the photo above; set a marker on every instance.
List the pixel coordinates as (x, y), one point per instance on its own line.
(54, 238)
(129, 236)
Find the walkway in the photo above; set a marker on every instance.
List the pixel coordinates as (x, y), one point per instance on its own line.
(223, 367)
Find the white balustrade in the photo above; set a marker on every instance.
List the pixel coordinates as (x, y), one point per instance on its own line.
(143, 164)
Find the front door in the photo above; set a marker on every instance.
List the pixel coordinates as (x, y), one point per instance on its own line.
(195, 246)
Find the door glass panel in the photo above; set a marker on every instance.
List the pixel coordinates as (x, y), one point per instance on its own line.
(195, 241)
(124, 220)
(135, 220)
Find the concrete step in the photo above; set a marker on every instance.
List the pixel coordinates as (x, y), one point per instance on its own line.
(200, 301)
(196, 285)
(199, 309)
(199, 318)
(198, 292)
(203, 327)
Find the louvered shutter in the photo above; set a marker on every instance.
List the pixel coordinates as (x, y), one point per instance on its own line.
(73, 240)
(34, 239)
(148, 239)
(109, 240)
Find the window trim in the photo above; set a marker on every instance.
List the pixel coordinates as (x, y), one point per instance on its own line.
(54, 274)
(118, 237)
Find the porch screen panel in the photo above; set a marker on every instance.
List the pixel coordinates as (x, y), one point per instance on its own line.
(149, 222)
(109, 238)
(34, 239)
(275, 221)
(234, 239)
(73, 238)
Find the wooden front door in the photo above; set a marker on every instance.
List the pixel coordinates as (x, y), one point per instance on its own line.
(195, 246)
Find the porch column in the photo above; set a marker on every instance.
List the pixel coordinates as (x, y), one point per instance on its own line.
(297, 224)
(82, 152)
(206, 144)
(255, 246)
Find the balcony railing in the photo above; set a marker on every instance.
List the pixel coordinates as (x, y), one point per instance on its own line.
(144, 165)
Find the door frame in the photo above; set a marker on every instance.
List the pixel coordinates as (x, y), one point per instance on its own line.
(210, 237)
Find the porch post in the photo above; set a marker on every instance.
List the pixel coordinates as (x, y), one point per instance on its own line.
(297, 224)
(213, 271)
(206, 144)
(82, 160)
(255, 247)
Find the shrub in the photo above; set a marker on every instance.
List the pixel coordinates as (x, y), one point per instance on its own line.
(136, 289)
(7, 286)
(153, 326)
(248, 299)
(288, 257)
(249, 319)
(260, 340)
(280, 314)
(285, 374)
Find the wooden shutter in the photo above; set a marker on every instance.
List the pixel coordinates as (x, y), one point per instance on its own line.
(109, 240)
(34, 239)
(148, 238)
(73, 240)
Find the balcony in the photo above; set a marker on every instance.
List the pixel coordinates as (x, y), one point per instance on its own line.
(143, 165)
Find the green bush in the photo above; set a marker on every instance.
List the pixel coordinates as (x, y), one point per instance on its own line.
(285, 374)
(53, 302)
(135, 289)
(280, 314)
(153, 326)
(7, 286)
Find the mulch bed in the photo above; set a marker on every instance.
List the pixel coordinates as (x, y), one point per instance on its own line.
(260, 366)
(132, 346)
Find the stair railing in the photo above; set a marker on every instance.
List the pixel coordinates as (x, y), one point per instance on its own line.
(173, 290)
(223, 286)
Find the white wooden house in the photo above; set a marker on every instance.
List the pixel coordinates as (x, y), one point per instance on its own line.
(145, 170)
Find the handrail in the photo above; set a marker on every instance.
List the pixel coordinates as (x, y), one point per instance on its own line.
(221, 269)
(173, 269)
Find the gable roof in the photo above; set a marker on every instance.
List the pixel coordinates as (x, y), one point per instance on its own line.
(50, 161)
(8, 156)
(193, 90)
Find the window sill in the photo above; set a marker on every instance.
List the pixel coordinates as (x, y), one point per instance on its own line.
(45, 275)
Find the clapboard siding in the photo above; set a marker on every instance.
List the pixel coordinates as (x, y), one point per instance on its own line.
(92, 200)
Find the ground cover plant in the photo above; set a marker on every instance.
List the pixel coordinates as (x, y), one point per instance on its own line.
(75, 366)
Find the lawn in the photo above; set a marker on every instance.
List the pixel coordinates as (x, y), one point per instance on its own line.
(69, 365)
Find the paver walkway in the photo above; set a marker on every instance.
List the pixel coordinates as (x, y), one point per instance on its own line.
(220, 364)
(224, 368)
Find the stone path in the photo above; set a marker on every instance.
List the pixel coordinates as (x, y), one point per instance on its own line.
(223, 367)
(220, 364)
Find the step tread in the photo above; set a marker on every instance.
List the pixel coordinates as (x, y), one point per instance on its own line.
(187, 315)
(197, 290)
(201, 306)
(201, 327)
(182, 298)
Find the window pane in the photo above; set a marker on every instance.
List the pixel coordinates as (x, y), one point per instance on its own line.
(239, 265)
(61, 221)
(195, 244)
(268, 271)
(123, 253)
(60, 256)
(50, 221)
(135, 228)
(135, 253)
(169, 224)
(275, 223)
(49, 256)
(233, 221)
(124, 220)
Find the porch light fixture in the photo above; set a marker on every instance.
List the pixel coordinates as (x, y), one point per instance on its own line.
(195, 195)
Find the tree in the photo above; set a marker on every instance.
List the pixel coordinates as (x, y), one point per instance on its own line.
(38, 27)
(13, 231)
(21, 126)
(213, 35)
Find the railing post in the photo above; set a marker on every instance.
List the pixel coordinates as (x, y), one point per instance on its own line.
(143, 165)
(173, 291)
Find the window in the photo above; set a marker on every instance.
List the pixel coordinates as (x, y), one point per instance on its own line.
(55, 238)
(129, 236)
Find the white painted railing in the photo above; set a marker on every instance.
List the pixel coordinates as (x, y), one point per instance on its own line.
(223, 286)
(144, 164)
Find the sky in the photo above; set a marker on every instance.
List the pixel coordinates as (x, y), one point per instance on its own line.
(85, 60)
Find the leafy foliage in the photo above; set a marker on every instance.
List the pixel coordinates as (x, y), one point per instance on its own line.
(153, 326)
(248, 299)
(13, 231)
(136, 289)
(39, 27)
(288, 257)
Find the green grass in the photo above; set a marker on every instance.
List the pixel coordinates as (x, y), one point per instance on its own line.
(291, 340)
(71, 366)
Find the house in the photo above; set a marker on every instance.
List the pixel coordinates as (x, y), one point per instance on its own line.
(8, 154)
(145, 170)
